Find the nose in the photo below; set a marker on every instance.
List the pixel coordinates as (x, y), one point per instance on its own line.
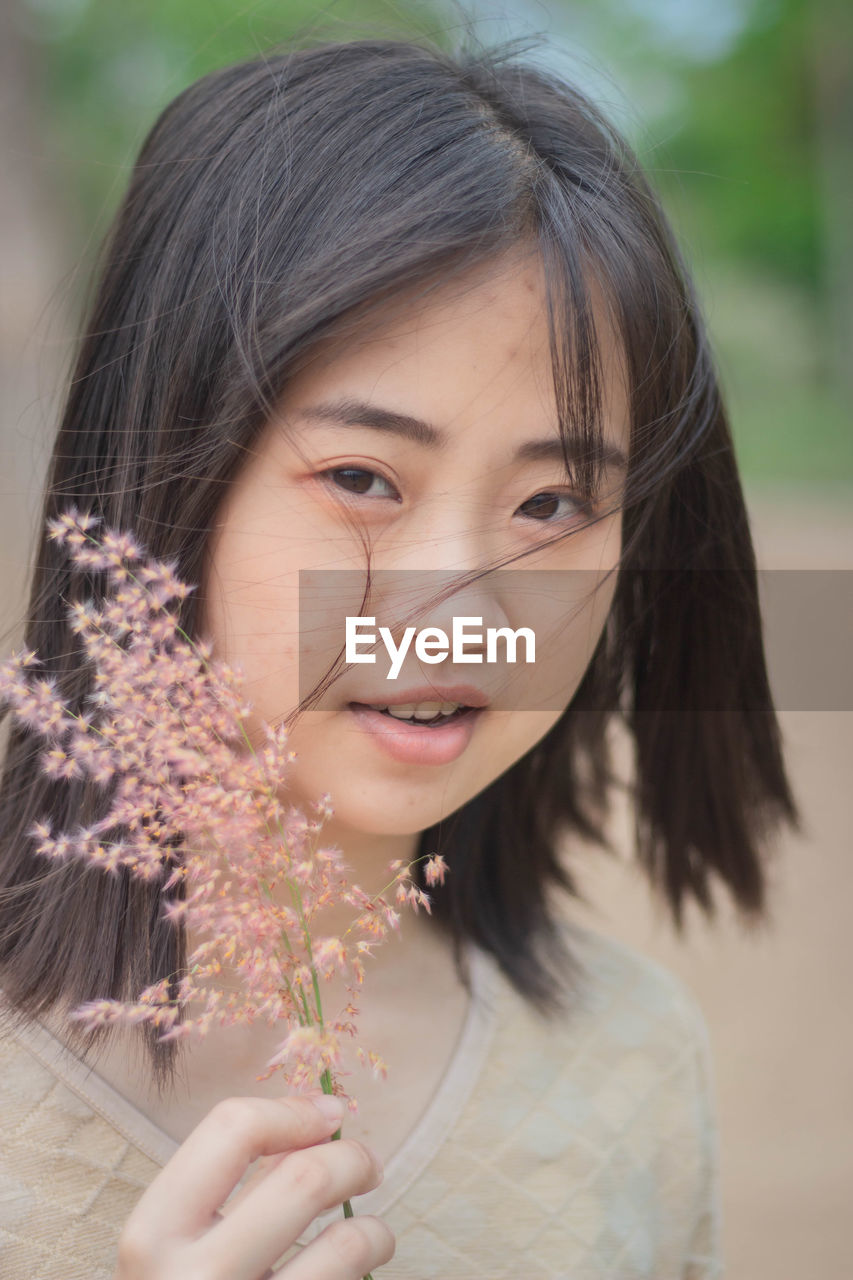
(449, 531)
(432, 574)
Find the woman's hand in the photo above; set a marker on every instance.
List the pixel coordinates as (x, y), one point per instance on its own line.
(176, 1231)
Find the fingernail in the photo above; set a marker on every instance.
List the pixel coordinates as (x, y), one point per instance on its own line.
(330, 1107)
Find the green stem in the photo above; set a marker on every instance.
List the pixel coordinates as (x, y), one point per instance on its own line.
(326, 1081)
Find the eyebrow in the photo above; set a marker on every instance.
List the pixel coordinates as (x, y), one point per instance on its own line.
(349, 412)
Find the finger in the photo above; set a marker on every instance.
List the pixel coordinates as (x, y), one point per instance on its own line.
(264, 1164)
(357, 1244)
(267, 1222)
(210, 1162)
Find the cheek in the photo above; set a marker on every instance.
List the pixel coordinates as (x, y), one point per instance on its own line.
(566, 611)
(512, 733)
(250, 613)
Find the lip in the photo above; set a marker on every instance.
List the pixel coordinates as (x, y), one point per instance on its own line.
(412, 743)
(464, 693)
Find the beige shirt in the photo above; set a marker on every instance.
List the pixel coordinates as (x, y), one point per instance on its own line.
(580, 1149)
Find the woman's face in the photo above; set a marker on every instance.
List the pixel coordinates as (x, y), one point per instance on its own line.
(472, 363)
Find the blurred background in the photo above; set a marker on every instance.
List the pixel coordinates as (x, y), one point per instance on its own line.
(743, 112)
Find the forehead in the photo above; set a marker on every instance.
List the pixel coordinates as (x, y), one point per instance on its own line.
(463, 348)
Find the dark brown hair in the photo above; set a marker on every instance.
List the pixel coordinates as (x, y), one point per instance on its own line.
(272, 202)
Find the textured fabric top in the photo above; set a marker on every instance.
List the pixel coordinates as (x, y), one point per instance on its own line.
(581, 1149)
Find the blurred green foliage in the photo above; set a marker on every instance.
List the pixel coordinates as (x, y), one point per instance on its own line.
(725, 116)
(751, 122)
(110, 66)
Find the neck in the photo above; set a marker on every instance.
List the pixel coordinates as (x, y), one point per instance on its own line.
(366, 859)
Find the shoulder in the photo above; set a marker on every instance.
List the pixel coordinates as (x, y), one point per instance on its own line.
(68, 1177)
(651, 1039)
(646, 1031)
(617, 998)
(634, 994)
(611, 1103)
(642, 1004)
(632, 1037)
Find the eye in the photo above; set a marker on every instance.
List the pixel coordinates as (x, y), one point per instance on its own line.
(357, 480)
(542, 507)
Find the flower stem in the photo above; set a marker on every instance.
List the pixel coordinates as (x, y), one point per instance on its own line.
(326, 1080)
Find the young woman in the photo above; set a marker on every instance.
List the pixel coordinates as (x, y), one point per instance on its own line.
(370, 303)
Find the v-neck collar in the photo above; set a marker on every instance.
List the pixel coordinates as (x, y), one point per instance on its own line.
(401, 1170)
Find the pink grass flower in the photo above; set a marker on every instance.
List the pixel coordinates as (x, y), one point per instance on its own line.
(190, 802)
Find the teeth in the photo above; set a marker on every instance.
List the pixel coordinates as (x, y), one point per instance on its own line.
(419, 710)
(428, 710)
(405, 711)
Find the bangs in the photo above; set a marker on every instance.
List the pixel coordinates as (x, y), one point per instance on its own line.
(575, 346)
(620, 306)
